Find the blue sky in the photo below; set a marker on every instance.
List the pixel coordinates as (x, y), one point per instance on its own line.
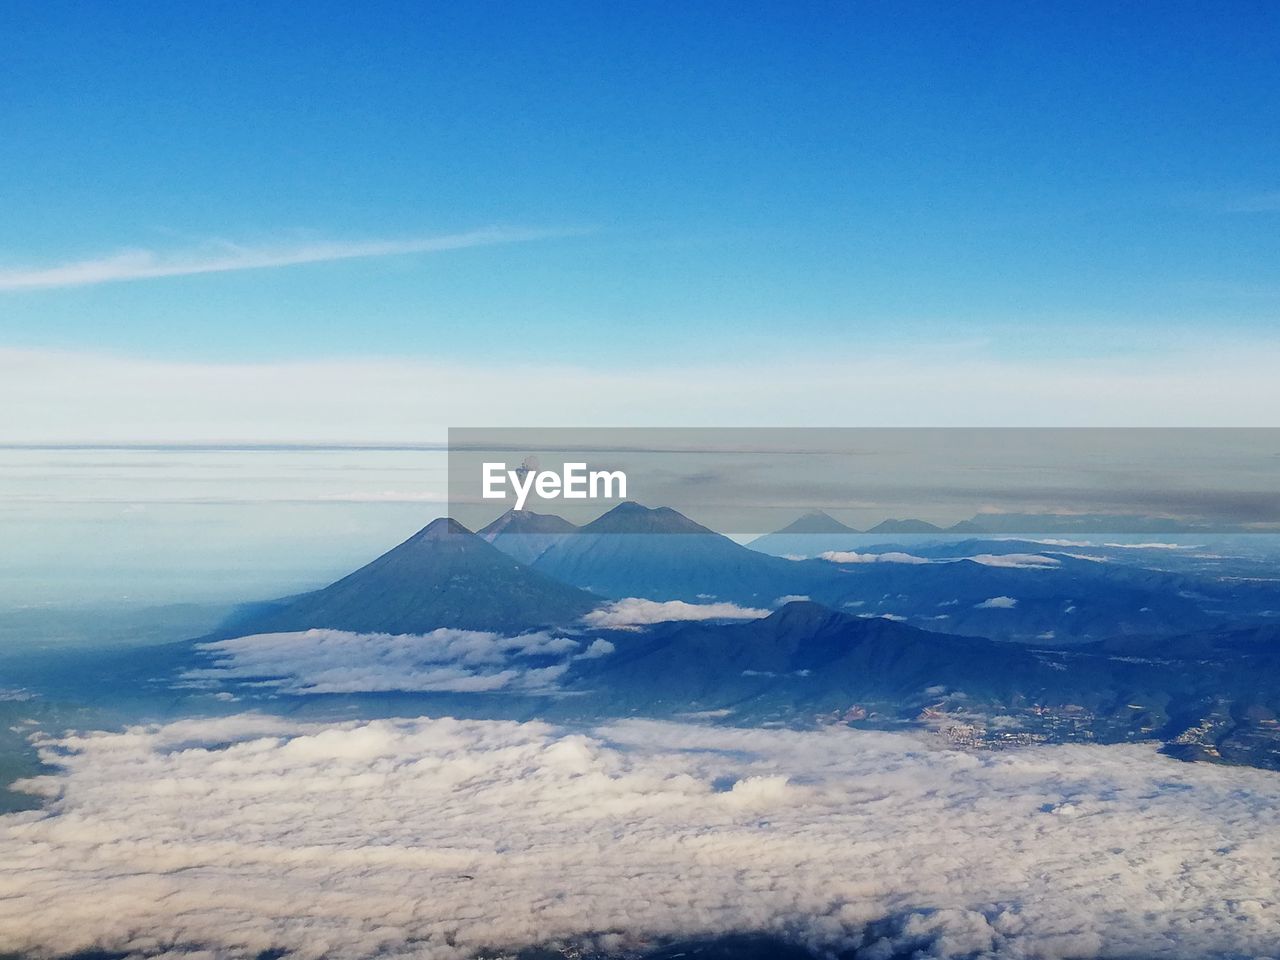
(599, 214)
(670, 180)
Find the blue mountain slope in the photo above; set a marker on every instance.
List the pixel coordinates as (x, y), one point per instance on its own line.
(442, 576)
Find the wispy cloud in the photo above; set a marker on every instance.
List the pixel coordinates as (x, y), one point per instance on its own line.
(224, 257)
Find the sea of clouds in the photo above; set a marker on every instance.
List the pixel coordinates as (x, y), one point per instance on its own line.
(438, 837)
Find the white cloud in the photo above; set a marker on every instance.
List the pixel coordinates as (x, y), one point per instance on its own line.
(435, 838)
(599, 647)
(337, 661)
(790, 598)
(997, 603)
(224, 257)
(636, 612)
(1023, 561)
(1152, 546)
(1020, 561)
(850, 556)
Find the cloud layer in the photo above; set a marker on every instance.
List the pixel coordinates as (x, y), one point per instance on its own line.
(337, 661)
(49, 396)
(434, 838)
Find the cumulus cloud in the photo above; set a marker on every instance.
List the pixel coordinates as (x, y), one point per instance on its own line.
(224, 257)
(338, 661)
(634, 612)
(850, 556)
(997, 603)
(437, 837)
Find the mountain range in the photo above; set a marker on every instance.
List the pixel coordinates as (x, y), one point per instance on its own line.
(446, 576)
(817, 531)
(1108, 651)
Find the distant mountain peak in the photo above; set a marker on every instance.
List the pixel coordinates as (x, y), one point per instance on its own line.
(440, 528)
(803, 615)
(442, 576)
(910, 525)
(816, 521)
(524, 535)
(632, 517)
(526, 522)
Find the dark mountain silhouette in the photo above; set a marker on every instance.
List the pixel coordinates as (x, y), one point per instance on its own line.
(525, 535)
(442, 576)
